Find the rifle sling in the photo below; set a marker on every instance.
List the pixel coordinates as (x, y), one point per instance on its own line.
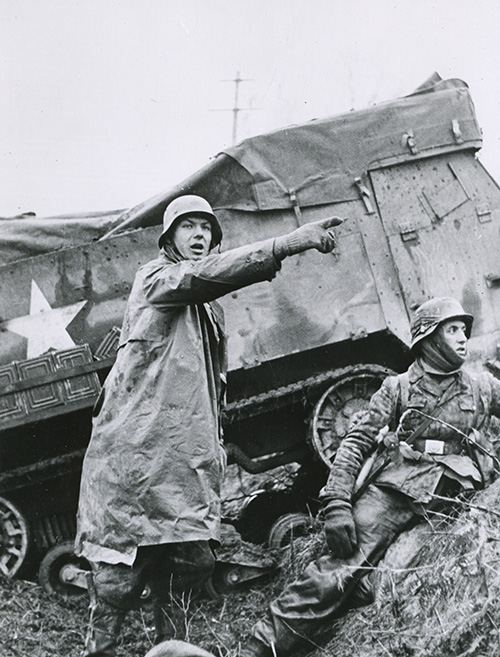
(425, 424)
(417, 433)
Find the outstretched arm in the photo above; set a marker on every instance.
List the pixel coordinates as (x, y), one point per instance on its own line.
(196, 281)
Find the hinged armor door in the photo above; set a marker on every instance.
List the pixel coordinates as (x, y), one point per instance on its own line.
(442, 219)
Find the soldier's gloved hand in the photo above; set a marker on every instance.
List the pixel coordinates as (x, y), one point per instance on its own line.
(340, 529)
(316, 235)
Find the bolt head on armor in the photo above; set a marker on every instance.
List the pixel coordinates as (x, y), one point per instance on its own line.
(434, 312)
(190, 204)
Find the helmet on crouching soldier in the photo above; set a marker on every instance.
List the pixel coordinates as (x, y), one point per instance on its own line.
(434, 312)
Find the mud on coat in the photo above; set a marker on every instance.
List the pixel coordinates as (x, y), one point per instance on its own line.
(154, 464)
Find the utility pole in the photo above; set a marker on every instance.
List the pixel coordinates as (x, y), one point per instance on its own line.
(236, 109)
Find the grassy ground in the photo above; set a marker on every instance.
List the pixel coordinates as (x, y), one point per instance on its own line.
(438, 593)
(445, 601)
(35, 624)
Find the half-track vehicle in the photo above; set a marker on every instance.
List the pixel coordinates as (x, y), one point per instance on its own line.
(306, 351)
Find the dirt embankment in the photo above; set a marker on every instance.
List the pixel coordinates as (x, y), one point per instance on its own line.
(438, 592)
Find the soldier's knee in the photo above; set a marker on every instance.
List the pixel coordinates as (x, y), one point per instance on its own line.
(198, 571)
(193, 568)
(364, 593)
(199, 559)
(117, 585)
(206, 564)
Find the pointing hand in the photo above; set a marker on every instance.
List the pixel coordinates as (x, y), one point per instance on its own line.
(317, 235)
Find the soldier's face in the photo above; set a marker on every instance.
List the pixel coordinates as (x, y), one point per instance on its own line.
(192, 236)
(454, 333)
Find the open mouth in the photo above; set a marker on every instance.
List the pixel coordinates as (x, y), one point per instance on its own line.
(197, 248)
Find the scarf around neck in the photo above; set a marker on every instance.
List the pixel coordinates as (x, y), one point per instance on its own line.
(437, 357)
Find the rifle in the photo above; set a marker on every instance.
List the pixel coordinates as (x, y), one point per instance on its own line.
(419, 431)
(365, 482)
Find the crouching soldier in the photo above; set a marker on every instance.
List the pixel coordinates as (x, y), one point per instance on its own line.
(149, 500)
(435, 419)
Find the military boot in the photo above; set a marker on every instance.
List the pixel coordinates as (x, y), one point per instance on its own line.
(255, 648)
(171, 617)
(164, 628)
(103, 631)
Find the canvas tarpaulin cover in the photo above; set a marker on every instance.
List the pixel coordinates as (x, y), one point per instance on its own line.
(318, 162)
(28, 236)
(311, 164)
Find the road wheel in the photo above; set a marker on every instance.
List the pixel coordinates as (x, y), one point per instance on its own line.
(340, 405)
(288, 527)
(62, 572)
(224, 579)
(14, 538)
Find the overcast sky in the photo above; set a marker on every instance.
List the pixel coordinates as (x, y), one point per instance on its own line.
(104, 103)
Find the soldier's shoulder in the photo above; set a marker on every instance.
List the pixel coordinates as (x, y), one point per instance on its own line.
(390, 388)
(395, 382)
(154, 262)
(152, 265)
(482, 379)
(391, 383)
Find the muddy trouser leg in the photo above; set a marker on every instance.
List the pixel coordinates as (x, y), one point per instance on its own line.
(325, 588)
(180, 570)
(117, 589)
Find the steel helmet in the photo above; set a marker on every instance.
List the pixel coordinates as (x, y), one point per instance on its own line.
(175, 648)
(430, 314)
(194, 205)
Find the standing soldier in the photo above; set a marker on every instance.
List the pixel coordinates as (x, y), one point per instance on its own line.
(149, 499)
(435, 419)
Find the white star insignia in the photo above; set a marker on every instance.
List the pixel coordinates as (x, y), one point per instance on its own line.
(44, 327)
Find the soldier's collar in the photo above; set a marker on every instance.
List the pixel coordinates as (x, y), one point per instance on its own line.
(415, 372)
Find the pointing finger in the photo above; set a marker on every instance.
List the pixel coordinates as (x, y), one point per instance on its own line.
(329, 222)
(327, 243)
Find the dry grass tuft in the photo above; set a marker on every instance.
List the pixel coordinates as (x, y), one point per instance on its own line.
(438, 592)
(443, 602)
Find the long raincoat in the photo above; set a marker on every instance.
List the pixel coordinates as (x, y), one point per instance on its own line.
(154, 465)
